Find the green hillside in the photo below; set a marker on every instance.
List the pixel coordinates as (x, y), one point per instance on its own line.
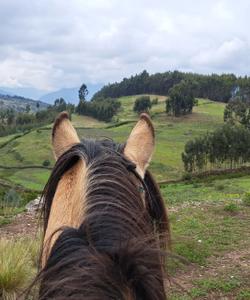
(172, 133)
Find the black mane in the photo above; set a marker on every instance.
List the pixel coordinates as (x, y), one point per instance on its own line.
(115, 253)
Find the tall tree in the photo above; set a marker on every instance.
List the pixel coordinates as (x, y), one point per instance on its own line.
(83, 92)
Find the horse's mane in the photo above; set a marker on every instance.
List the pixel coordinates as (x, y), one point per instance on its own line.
(115, 253)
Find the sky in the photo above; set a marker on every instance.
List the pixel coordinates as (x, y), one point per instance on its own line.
(51, 44)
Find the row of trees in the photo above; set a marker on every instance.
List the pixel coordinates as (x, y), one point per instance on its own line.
(214, 87)
(103, 110)
(226, 147)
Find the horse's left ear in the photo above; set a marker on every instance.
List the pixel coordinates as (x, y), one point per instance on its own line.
(64, 135)
(140, 144)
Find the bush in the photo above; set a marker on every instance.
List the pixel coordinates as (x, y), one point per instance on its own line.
(187, 176)
(154, 101)
(11, 198)
(246, 199)
(231, 207)
(46, 163)
(219, 187)
(142, 104)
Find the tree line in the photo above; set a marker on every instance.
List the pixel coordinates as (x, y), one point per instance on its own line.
(101, 109)
(214, 87)
(227, 147)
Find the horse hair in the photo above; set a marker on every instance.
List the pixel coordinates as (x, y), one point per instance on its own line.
(117, 251)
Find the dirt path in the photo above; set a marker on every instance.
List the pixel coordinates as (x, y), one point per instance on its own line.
(24, 224)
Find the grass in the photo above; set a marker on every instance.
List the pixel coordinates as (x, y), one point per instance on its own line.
(207, 223)
(196, 238)
(171, 135)
(17, 266)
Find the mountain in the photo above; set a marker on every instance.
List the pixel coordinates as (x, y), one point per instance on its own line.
(70, 94)
(19, 103)
(26, 92)
(2, 92)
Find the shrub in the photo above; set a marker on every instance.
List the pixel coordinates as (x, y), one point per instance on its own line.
(142, 104)
(154, 101)
(246, 199)
(219, 187)
(46, 163)
(18, 156)
(187, 176)
(231, 207)
(11, 198)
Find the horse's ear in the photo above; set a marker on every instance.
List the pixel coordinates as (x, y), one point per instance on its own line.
(63, 134)
(140, 144)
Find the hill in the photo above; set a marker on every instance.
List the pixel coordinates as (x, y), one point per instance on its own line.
(33, 148)
(19, 103)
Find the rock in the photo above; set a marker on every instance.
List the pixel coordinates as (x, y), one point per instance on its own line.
(33, 205)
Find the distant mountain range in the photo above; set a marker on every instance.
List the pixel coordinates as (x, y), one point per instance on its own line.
(18, 98)
(19, 103)
(70, 94)
(2, 92)
(26, 92)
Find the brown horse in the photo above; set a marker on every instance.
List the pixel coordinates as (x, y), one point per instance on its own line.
(105, 222)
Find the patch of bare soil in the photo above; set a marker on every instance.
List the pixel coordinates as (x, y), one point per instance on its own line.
(230, 266)
(24, 224)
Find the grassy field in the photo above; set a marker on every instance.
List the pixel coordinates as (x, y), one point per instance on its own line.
(171, 135)
(210, 224)
(210, 228)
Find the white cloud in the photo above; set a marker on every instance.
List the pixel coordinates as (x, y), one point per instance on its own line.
(51, 44)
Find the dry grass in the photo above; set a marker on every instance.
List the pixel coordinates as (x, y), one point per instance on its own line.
(17, 266)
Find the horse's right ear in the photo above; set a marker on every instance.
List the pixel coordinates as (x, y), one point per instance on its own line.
(64, 135)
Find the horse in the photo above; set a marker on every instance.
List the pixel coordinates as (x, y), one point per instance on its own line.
(106, 228)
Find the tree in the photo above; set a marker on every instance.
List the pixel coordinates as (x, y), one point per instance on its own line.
(60, 105)
(101, 109)
(10, 115)
(27, 108)
(83, 92)
(37, 105)
(227, 147)
(142, 104)
(237, 111)
(181, 99)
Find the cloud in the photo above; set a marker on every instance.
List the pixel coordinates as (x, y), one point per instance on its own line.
(52, 44)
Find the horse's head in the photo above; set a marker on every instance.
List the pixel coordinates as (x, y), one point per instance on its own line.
(103, 213)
